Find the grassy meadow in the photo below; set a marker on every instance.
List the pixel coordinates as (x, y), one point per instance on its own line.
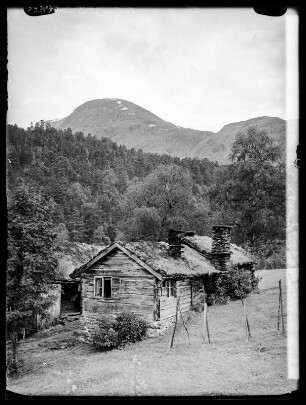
(54, 363)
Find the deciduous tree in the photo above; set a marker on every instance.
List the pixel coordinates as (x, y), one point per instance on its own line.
(31, 264)
(250, 193)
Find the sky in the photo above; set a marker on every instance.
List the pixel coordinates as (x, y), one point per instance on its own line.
(194, 67)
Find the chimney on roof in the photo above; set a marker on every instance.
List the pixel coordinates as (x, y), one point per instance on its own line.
(175, 242)
(221, 247)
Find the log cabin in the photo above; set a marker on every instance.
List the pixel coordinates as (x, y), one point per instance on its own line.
(146, 277)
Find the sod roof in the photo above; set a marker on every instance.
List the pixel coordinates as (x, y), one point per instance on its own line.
(154, 256)
(204, 244)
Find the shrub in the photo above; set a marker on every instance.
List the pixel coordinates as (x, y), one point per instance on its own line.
(240, 283)
(126, 328)
(12, 367)
(233, 284)
(218, 298)
(217, 292)
(105, 336)
(130, 328)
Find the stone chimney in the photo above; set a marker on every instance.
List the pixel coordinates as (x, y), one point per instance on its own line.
(175, 242)
(221, 247)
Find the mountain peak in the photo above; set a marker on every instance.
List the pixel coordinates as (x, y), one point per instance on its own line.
(128, 124)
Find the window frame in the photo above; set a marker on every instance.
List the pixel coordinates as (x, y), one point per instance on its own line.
(102, 286)
(95, 286)
(169, 285)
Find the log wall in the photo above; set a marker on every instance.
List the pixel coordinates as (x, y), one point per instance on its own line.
(168, 304)
(136, 292)
(197, 291)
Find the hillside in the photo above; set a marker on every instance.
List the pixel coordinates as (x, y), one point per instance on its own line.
(61, 365)
(101, 191)
(135, 127)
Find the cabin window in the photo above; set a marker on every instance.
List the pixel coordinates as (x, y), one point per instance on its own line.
(98, 286)
(169, 287)
(107, 287)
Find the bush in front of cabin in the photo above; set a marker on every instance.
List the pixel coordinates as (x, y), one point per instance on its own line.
(217, 292)
(113, 332)
(232, 285)
(105, 336)
(240, 283)
(130, 328)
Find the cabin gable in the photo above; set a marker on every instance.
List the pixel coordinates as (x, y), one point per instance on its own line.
(118, 263)
(117, 283)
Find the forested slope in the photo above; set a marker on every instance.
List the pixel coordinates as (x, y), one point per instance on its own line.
(100, 191)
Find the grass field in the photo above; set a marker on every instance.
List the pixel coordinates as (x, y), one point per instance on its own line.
(270, 278)
(227, 366)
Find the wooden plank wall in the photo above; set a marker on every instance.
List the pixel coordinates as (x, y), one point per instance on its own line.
(136, 289)
(197, 291)
(168, 304)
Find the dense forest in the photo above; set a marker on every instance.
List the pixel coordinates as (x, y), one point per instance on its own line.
(99, 191)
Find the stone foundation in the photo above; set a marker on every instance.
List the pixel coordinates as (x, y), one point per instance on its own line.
(158, 328)
(89, 323)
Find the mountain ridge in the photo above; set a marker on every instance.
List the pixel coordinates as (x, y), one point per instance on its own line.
(128, 124)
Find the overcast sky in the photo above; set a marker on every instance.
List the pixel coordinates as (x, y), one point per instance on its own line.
(197, 68)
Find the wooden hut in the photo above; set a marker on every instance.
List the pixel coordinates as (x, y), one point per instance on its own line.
(146, 277)
(142, 277)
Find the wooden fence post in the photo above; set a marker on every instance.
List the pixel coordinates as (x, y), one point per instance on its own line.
(280, 309)
(246, 321)
(184, 324)
(205, 323)
(278, 313)
(174, 328)
(247, 325)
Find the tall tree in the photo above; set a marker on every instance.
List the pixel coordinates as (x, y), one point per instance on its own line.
(99, 237)
(168, 189)
(145, 224)
(31, 264)
(93, 217)
(251, 191)
(76, 226)
(62, 234)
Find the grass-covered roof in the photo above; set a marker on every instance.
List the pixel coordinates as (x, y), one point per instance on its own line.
(204, 244)
(156, 256)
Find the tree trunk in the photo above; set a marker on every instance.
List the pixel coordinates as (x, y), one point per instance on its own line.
(14, 339)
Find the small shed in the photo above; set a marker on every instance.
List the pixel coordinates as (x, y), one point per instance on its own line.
(65, 292)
